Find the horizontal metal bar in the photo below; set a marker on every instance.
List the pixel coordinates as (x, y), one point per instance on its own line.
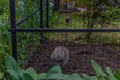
(26, 18)
(61, 30)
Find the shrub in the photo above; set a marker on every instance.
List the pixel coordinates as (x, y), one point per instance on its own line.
(55, 73)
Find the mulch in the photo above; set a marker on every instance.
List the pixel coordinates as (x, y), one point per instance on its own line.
(106, 55)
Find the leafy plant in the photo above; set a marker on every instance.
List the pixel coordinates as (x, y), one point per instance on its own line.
(117, 74)
(55, 73)
(16, 73)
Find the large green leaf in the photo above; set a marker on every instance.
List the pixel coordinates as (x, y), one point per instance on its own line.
(42, 76)
(56, 76)
(55, 69)
(111, 75)
(86, 77)
(21, 74)
(97, 68)
(117, 74)
(11, 64)
(13, 74)
(1, 75)
(32, 73)
(67, 77)
(27, 77)
(74, 76)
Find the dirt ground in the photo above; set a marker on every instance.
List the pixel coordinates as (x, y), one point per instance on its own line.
(79, 58)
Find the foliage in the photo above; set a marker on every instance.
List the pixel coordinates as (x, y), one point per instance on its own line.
(102, 11)
(23, 9)
(15, 73)
(55, 73)
(5, 43)
(117, 74)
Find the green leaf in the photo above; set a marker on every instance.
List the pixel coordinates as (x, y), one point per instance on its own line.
(11, 64)
(13, 74)
(97, 68)
(21, 74)
(55, 69)
(42, 76)
(67, 77)
(32, 73)
(111, 75)
(74, 76)
(86, 77)
(27, 77)
(1, 75)
(94, 78)
(117, 74)
(56, 76)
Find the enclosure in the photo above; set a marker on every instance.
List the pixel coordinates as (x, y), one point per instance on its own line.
(87, 33)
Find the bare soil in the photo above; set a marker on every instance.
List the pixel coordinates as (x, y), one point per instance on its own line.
(80, 57)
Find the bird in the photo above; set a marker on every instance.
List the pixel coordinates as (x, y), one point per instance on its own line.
(68, 19)
(59, 56)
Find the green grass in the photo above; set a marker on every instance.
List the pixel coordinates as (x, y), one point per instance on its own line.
(77, 22)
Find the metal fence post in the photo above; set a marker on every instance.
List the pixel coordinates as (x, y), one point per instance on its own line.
(41, 18)
(47, 13)
(41, 13)
(13, 25)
